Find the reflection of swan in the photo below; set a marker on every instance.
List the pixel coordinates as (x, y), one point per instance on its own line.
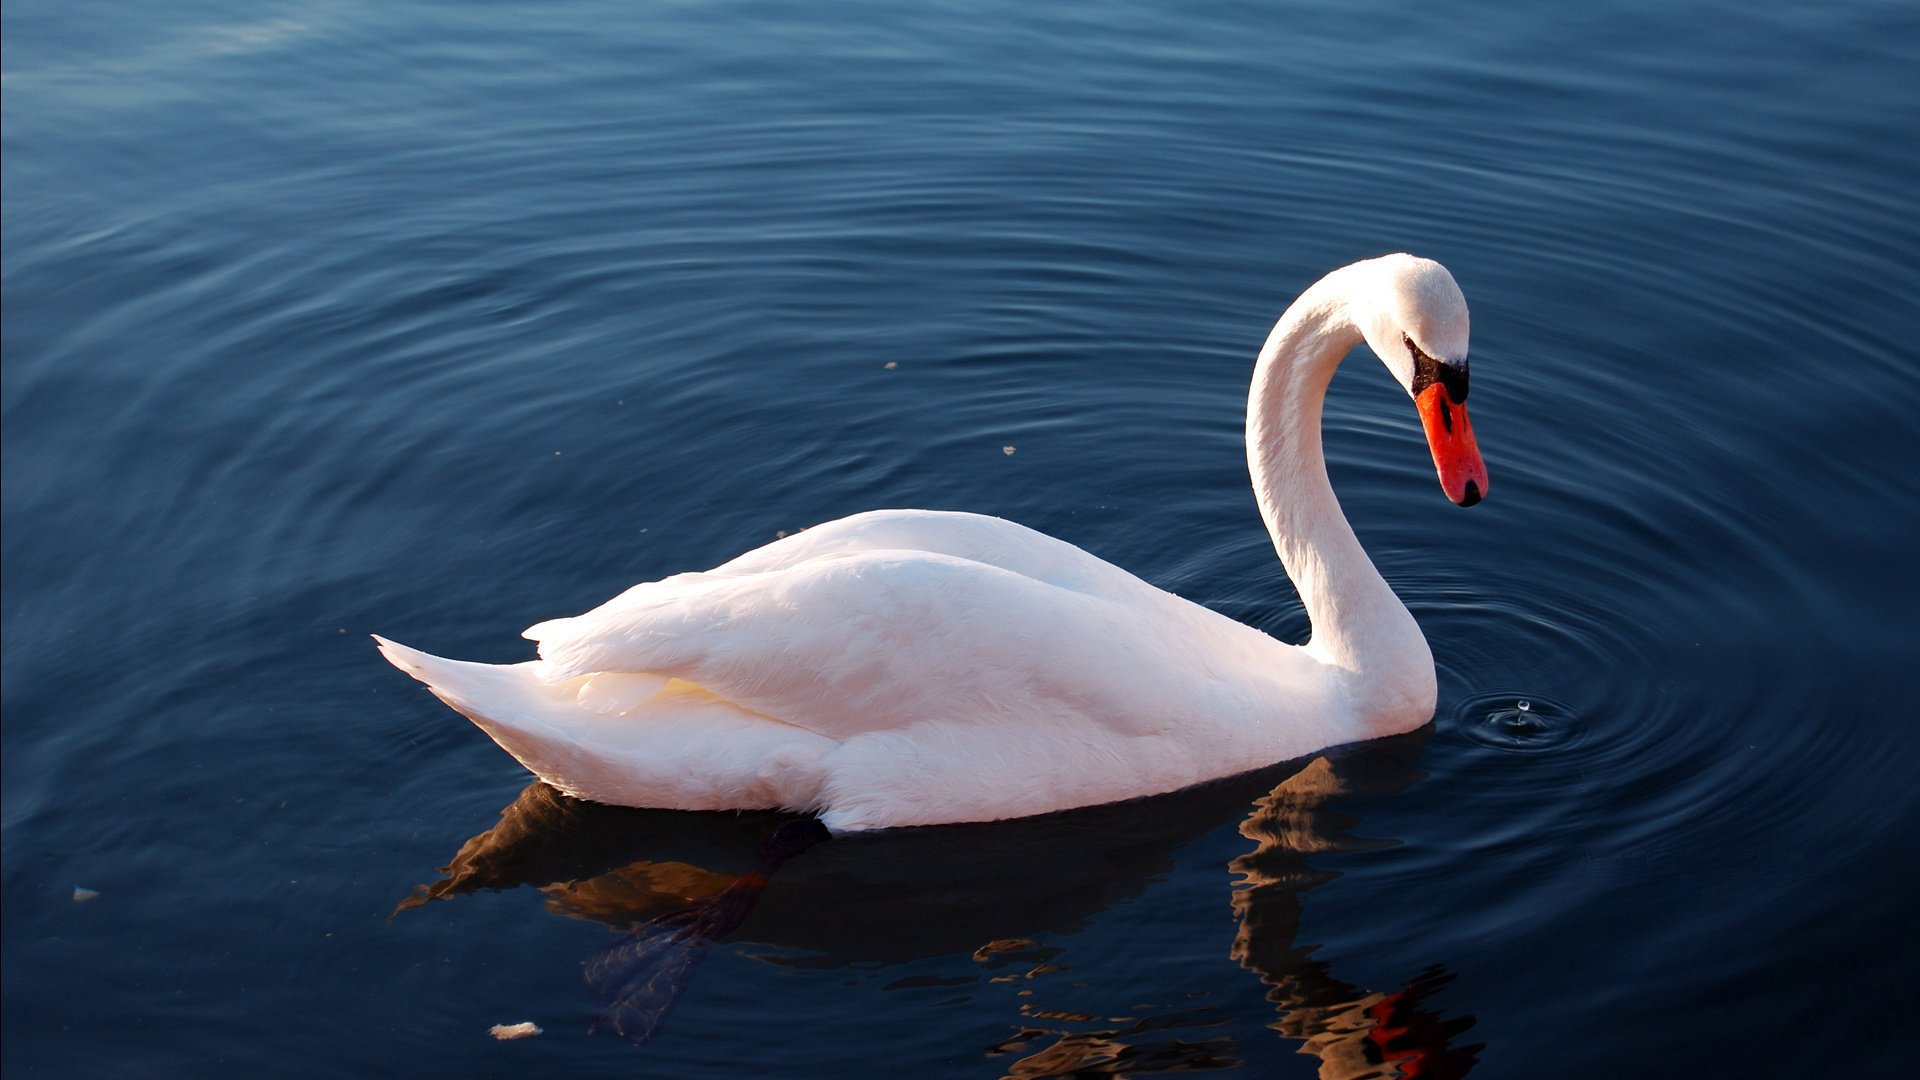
(988, 891)
(1354, 1033)
(911, 667)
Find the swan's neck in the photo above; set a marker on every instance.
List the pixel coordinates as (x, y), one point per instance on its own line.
(1359, 625)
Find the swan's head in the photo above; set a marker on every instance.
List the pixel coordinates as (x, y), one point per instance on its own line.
(1413, 317)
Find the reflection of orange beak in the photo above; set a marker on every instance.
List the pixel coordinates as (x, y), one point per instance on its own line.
(1463, 476)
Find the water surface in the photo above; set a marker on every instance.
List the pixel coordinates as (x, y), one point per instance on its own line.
(330, 318)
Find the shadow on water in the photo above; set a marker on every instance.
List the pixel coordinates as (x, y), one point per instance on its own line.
(662, 879)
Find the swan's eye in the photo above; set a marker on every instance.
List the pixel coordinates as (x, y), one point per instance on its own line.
(1427, 371)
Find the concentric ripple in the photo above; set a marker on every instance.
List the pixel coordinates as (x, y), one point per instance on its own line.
(438, 319)
(1518, 721)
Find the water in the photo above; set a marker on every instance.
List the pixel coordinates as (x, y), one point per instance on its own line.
(434, 320)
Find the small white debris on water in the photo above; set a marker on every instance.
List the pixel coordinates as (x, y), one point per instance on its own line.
(523, 1030)
(1007, 450)
(891, 364)
(82, 894)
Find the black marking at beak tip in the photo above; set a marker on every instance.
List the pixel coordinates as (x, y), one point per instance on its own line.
(1472, 494)
(1427, 371)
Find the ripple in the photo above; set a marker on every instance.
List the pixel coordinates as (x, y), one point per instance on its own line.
(1517, 721)
(439, 324)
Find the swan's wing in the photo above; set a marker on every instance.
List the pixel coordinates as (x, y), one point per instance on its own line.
(973, 537)
(847, 643)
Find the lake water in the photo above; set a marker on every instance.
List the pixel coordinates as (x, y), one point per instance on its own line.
(434, 320)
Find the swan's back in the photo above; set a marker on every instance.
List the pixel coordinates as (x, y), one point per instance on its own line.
(974, 537)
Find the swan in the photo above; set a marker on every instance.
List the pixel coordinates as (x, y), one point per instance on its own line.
(921, 667)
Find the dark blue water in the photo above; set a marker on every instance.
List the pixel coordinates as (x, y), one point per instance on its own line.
(438, 319)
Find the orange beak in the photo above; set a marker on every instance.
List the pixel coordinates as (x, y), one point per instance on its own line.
(1463, 476)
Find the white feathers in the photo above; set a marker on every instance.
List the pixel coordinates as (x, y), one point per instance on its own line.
(617, 693)
(909, 667)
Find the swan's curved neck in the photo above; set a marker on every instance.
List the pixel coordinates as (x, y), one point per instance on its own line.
(1358, 623)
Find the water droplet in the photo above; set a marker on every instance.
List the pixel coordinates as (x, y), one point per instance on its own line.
(1506, 721)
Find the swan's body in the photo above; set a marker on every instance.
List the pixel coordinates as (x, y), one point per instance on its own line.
(911, 667)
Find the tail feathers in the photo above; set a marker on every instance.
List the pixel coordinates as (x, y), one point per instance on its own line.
(539, 723)
(501, 698)
(522, 689)
(643, 745)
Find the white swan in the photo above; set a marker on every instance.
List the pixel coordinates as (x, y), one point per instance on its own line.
(914, 667)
